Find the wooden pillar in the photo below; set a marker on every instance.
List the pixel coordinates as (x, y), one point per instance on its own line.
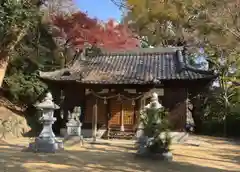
(94, 122)
(136, 111)
(108, 116)
(83, 109)
(122, 117)
(56, 97)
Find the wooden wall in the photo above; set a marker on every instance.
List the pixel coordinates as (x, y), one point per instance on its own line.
(116, 107)
(174, 100)
(74, 96)
(101, 110)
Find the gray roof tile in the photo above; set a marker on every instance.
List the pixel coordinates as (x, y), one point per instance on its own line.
(135, 67)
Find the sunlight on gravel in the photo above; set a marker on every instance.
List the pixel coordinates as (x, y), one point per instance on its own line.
(212, 155)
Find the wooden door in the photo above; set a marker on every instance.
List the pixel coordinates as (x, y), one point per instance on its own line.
(128, 113)
(126, 109)
(115, 109)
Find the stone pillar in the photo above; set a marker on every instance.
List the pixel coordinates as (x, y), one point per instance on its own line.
(46, 141)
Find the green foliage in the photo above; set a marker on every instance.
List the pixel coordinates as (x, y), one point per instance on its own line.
(212, 126)
(16, 17)
(198, 22)
(33, 53)
(223, 100)
(222, 115)
(25, 35)
(22, 82)
(17, 12)
(155, 124)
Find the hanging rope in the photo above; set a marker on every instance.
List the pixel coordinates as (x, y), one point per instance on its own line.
(115, 96)
(118, 96)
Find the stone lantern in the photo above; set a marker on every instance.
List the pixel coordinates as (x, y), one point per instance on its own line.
(46, 141)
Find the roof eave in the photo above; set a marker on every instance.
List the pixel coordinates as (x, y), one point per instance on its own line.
(145, 50)
(50, 75)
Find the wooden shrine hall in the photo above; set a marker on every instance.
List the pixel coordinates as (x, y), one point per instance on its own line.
(112, 87)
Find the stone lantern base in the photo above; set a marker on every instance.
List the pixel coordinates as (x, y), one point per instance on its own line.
(144, 152)
(167, 156)
(45, 145)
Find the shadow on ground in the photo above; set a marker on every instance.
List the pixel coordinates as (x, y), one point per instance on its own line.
(116, 157)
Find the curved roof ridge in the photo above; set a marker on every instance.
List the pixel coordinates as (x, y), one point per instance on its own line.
(51, 73)
(158, 50)
(201, 71)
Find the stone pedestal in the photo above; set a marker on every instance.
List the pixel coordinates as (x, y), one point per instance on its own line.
(74, 135)
(74, 128)
(46, 141)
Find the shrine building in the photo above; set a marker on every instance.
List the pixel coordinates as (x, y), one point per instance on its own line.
(112, 87)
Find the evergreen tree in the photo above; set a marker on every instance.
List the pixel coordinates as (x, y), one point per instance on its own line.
(156, 129)
(16, 17)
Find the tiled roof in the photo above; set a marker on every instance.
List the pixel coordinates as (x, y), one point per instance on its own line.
(135, 67)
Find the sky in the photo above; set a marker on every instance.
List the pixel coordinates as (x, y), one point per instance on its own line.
(101, 9)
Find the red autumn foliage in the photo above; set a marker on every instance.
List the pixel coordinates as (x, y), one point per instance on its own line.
(79, 29)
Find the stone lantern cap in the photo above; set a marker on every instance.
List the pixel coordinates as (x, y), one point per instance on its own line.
(47, 103)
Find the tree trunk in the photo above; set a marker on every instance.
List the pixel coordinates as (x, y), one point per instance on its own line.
(197, 114)
(4, 53)
(197, 120)
(225, 126)
(3, 67)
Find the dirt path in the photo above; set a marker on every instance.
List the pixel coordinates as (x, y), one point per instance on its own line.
(213, 155)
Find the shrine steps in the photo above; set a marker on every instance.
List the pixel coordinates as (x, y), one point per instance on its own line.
(112, 134)
(126, 134)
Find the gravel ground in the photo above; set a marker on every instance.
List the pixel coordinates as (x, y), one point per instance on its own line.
(198, 154)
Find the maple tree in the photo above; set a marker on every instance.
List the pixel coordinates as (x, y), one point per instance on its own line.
(78, 29)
